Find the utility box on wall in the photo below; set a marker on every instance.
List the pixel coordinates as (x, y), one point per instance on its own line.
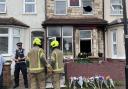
(7, 82)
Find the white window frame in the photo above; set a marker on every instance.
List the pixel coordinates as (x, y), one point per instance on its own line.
(113, 9)
(16, 35)
(5, 8)
(92, 9)
(74, 6)
(29, 3)
(114, 43)
(48, 48)
(67, 37)
(10, 36)
(55, 7)
(6, 35)
(87, 38)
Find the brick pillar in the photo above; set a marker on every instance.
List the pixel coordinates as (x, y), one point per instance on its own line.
(7, 83)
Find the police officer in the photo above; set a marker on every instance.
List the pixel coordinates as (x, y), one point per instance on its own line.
(37, 63)
(20, 65)
(57, 64)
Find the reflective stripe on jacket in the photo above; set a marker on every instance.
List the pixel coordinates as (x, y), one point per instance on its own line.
(57, 61)
(34, 56)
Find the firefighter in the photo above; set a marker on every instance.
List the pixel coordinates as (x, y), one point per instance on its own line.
(37, 64)
(57, 64)
(20, 65)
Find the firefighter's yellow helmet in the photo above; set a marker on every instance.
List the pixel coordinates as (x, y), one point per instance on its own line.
(54, 43)
(37, 41)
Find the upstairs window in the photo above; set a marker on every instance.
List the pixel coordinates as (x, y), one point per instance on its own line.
(29, 6)
(87, 3)
(60, 7)
(74, 3)
(116, 7)
(2, 6)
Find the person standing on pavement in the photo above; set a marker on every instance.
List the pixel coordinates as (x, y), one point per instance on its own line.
(20, 65)
(57, 64)
(37, 64)
(2, 61)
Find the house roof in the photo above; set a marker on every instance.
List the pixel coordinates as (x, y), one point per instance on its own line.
(117, 21)
(12, 21)
(74, 21)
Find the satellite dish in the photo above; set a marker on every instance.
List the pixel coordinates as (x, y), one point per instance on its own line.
(87, 8)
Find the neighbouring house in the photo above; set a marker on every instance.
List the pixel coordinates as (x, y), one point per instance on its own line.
(76, 29)
(20, 20)
(113, 13)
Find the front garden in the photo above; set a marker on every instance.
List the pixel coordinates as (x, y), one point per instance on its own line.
(87, 69)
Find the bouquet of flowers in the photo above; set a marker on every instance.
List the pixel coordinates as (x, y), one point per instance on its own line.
(94, 82)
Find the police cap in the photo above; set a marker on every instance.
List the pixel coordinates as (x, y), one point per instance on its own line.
(19, 44)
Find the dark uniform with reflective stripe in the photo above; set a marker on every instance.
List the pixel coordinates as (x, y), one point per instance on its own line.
(20, 65)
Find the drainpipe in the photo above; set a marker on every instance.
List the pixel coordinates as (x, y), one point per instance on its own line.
(45, 1)
(45, 28)
(103, 8)
(126, 40)
(104, 32)
(74, 46)
(104, 43)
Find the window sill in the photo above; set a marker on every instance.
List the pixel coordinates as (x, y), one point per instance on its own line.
(88, 14)
(6, 55)
(60, 14)
(3, 13)
(116, 14)
(29, 13)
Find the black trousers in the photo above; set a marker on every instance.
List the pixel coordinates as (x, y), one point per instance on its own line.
(23, 68)
(1, 80)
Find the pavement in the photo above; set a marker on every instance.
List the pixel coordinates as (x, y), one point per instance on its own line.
(48, 83)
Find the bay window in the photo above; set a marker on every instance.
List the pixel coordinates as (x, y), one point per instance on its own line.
(8, 39)
(63, 34)
(114, 43)
(67, 40)
(16, 38)
(3, 40)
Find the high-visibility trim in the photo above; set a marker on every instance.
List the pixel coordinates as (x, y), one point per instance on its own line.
(34, 69)
(39, 58)
(59, 70)
(39, 68)
(57, 66)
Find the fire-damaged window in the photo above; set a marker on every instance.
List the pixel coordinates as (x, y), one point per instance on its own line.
(87, 6)
(74, 2)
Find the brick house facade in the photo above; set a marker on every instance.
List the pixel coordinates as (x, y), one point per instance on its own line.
(86, 29)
